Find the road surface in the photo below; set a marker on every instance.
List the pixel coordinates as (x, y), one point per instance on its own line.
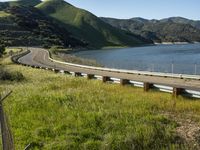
(40, 57)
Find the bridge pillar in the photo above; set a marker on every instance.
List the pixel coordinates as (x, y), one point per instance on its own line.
(147, 86)
(90, 76)
(124, 81)
(177, 91)
(105, 79)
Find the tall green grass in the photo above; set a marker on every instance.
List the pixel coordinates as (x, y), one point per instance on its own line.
(53, 111)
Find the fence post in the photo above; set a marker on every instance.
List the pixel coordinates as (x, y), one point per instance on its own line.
(124, 81)
(177, 91)
(7, 139)
(147, 86)
(105, 79)
(90, 76)
(77, 74)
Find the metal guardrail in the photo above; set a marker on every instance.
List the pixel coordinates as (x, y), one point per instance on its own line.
(174, 90)
(16, 57)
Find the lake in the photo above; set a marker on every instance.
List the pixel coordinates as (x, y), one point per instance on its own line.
(181, 58)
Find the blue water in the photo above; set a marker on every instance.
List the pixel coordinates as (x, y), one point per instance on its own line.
(183, 58)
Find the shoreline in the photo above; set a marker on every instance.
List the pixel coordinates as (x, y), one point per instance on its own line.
(71, 51)
(176, 43)
(122, 47)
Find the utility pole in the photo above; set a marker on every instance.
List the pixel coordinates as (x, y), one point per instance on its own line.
(7, 139)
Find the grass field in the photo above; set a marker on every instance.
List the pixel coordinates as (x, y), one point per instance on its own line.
(54, 111)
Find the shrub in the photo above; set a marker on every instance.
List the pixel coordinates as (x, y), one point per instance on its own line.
(53, 49)
(46, 46)
(2, 48)
(11, 76)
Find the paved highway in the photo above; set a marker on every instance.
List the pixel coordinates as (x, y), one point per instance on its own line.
(40, 57)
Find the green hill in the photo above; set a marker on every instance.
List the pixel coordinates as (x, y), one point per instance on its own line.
(25, 3)
(21, 26)
(87, 26)
(166, 30)
(19, 3)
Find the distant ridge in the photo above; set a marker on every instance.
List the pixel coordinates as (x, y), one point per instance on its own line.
(174, 29)
(182, 20)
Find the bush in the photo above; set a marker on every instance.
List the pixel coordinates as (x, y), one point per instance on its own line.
(11, 76)
(46, 46)
(55, 49)
(2, 49)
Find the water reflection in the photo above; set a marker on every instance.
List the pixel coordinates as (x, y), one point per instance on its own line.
(184, 59)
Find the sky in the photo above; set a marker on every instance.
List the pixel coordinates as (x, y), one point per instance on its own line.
(149, 9)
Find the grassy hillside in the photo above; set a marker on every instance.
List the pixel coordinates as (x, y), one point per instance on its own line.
(56, 112)
(21, 25)
(19, 3)
(25, 3)
(87, 26)
(167, 30)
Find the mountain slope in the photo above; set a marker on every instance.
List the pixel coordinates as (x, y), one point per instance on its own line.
(87, 26)
(167, 30)
(25, 3)
(182, 20)
(19, 3)
(20, 25)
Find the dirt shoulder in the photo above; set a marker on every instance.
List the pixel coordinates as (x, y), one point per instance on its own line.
(188, 129)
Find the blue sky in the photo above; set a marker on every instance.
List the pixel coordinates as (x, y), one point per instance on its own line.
(150, 9)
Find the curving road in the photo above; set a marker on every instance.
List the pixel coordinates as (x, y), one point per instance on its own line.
(40, 57)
